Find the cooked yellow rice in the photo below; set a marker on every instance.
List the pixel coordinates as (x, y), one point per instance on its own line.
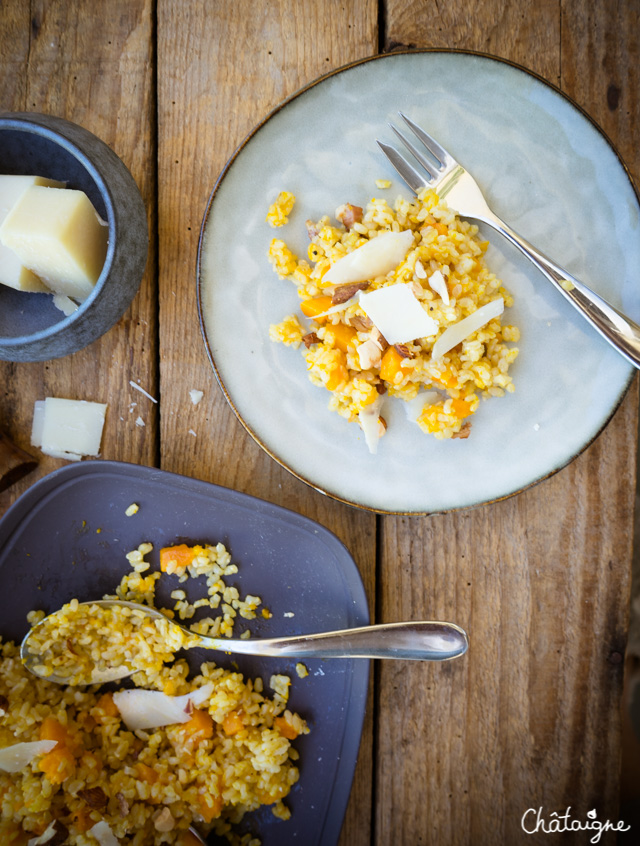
(150, 785)
(474, 369)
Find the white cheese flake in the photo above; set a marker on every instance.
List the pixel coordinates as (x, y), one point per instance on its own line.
(463, 329)
(196, 396)
(397, 313)
(18, 756)
(413, 407)
(143, 709)
(142, 391)
(102, 832)
(438, 284)
(369, 419)
(377, 257)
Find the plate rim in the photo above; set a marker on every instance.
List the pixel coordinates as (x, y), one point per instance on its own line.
(199, 272)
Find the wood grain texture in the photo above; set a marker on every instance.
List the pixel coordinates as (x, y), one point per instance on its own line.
(530, 717)
(541, 581)
(451, 754)
(72, 60)
(263, 53)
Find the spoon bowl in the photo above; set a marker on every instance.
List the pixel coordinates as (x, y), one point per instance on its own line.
(423, 640)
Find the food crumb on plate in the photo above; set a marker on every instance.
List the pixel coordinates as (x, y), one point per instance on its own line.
(132, 509)
(302, 670)
(383, 183)
(279, 211)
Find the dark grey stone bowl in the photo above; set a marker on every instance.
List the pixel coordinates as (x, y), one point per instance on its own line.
(31, 327)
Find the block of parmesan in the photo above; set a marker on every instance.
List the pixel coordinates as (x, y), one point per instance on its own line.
(12, 271)
(65, 428)
(57, 234)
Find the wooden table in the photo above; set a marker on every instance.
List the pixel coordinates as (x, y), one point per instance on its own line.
(530, 718)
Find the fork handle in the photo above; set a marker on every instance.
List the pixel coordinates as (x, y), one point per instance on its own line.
(615, 327)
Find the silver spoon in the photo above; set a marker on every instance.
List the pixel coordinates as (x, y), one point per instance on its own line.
(413, 641)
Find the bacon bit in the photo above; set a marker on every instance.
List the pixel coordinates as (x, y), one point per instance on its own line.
(163, 820)
(309, 339)
(362, 324)
(348, 215)
(95, 797)
(404, 351)
(122, 804)
(313, 229)
(344, 292)
(381, 388)
(4, 705)
(465, 431)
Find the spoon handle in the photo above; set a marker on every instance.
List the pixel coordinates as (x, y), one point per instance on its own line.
(414, 641)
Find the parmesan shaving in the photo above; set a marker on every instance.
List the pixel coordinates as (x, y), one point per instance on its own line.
(377, 257)
(463, 329)
(414, 406)
(438, 284)
(18, 756)
(143, 709)
(397, 313)
(142, 391)
(369, 419)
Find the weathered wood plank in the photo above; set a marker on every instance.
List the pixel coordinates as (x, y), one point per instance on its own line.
(263, 53)
(96, 69)
(541, 580)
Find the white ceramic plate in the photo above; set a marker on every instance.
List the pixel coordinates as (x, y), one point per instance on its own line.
(545, 168)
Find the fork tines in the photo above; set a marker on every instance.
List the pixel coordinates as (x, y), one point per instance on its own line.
(414, 178)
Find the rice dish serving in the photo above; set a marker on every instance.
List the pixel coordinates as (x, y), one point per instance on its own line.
(397, 302)
(87, 765)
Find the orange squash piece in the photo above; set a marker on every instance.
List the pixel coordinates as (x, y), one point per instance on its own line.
(285, 728)
(58, 765)
(338, 375)
(343, 335)
(82, 820)
(315, 306)
(210, 806)
(232, 723)
(461, 408)
(182, 554)
(146, 773)
(107, 704)
(391, 364)
(198, 727)
(52, 729)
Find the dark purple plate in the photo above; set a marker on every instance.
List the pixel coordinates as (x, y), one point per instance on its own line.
(67, 536)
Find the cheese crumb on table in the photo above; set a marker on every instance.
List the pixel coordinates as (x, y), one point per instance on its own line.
(196, 396)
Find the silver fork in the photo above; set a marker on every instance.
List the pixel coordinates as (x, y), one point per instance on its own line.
(453, 183)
